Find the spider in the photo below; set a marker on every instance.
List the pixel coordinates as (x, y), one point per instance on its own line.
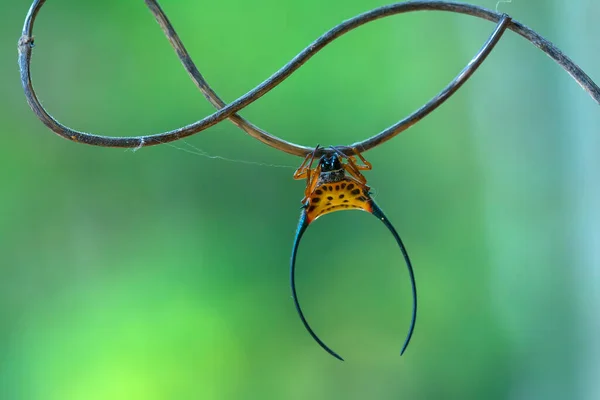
(334, 185)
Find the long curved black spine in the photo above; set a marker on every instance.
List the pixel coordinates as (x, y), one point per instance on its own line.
(381, 216)
(302, 225)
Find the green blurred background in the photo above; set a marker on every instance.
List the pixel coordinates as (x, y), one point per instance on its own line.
(163, 274)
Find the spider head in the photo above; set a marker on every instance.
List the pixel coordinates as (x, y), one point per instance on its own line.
(330, 163)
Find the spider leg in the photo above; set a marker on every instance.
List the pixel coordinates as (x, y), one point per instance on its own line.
(351, 168)
(302, 225)
(304, 168)
(311, 182)
(355, 174)
(339, 152)
(366, 165)
(379, 214)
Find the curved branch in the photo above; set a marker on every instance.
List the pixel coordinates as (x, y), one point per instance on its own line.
(293, 148)
(228, 111)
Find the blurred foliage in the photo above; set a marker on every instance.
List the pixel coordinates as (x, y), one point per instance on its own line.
(163, 274)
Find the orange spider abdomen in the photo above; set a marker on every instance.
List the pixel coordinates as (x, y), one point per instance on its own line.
(346, 194)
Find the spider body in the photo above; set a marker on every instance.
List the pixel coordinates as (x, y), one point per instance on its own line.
(341, 193)
(335, 185)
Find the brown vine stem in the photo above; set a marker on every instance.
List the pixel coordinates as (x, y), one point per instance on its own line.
(230, 110)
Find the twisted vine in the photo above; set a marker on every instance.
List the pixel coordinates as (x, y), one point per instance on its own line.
(229, 111)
